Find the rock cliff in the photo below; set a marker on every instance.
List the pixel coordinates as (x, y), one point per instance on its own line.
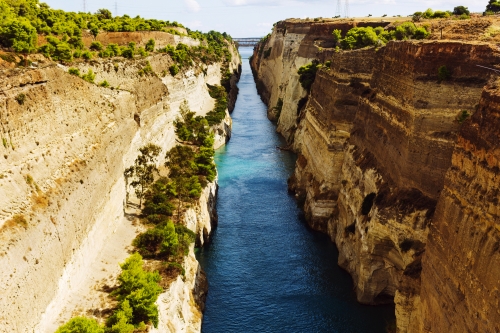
(382, 156)
(66, 143)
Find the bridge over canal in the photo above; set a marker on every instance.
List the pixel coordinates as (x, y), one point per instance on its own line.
(247, 41)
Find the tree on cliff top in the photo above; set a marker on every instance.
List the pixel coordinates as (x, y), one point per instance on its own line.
(493, 6)
(460, 10)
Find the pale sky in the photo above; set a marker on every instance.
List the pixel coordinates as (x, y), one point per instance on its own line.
(254, 18)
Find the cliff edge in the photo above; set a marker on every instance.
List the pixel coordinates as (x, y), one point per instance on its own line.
(387, 158)
(64, 223)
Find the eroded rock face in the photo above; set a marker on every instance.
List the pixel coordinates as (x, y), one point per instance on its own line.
(375, 138)
(461, 268)
(62, 190)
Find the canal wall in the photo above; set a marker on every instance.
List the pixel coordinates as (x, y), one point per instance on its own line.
(389, 170)
(64, 225)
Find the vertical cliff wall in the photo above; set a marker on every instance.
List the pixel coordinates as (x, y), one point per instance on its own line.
(461, 268)
(62, 191)
(375, 138)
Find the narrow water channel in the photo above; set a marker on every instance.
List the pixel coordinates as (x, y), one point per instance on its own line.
(267, 271)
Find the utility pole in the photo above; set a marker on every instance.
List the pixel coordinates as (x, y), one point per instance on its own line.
(84, 6)
(338, 11)
(345, 10)
(116, 8)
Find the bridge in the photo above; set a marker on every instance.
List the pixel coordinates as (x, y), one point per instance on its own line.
(246, 41)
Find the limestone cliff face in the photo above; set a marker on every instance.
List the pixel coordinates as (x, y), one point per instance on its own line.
(461, 268)
(62, 191)
(375, 138)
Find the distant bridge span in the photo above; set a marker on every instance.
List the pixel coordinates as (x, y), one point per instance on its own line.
(247, 41)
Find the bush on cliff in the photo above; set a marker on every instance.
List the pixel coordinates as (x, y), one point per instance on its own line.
(18, 34)
(161, 241)
(190, 128)
(174, 69)
(431, 14)
(150, 45)
(308, 74)
(89, 77)
(137, 293)
(218, 114)
(81, 325)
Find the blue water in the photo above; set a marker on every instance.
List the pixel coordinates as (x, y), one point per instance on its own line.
(267, 271)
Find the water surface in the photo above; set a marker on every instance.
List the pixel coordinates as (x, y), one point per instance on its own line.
(267, 271)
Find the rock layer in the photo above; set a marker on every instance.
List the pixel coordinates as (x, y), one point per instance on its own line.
(375, 138)
(62, 190)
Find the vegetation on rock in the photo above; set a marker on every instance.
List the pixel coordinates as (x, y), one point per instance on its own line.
(360, 37)
(81, 325)
(308, 74)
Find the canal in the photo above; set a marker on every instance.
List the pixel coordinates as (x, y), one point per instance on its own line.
(267, 271)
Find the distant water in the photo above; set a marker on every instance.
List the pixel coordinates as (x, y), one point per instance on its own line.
(267, 271)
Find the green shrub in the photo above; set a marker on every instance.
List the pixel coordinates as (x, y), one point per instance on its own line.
(81, 325)
(19, 34)
(87, 55)
(150, 45)
(140, 289)
(443, 73)
(421, 33)
(96, 46)
(337, 36)
(142, 52)
(74, 71)
(120, 321)
(162, 241)
(77, 54)
(21, 98)
(146, 70)
(89, 77)
(113, 50)
(405, 31)
(219, 112)
(308, 74)
(104, 84)
(174, 69)
(462, 116)
(441, 14)
(128, 52)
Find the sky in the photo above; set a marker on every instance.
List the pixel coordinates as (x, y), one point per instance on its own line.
(254, 18)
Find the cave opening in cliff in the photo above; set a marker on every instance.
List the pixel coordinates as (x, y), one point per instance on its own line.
(367, 204)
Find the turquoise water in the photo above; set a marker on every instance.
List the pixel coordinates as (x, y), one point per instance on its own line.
(267, 271)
